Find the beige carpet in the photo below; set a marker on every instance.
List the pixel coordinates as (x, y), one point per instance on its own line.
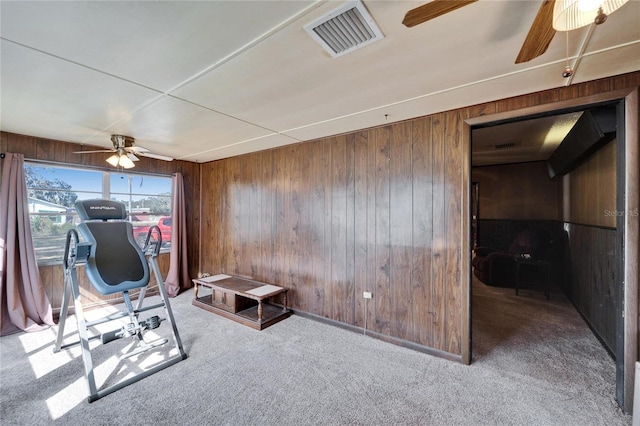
(535, 363)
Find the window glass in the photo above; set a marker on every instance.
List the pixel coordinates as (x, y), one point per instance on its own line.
(60, 185)
(53, 191)
(144, 185)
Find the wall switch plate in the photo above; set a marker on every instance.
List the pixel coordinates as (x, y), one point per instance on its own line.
(367, 295)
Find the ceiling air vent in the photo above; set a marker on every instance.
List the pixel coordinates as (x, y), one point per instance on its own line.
(345, 29)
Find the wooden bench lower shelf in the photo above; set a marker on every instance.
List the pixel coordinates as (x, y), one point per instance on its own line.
(242, 300)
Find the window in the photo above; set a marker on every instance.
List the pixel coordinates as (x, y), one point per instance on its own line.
(53, 190)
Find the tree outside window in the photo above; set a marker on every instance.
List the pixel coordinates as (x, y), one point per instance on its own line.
(53, 191)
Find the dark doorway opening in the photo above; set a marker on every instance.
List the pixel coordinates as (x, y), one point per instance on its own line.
(496, 144)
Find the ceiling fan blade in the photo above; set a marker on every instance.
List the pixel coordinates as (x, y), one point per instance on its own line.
(540, 34)
(156, 156)
(432, 10)
(132, 157)
(92, 152)
(137, 149)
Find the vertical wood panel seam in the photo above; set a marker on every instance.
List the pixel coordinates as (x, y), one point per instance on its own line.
(390, 297)
(413, 242)
(445, 262)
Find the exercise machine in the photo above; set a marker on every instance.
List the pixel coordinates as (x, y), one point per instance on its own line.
(114, 263)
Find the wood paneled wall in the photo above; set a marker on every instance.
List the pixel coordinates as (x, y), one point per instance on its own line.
(381, 210)
(589, 191)
(589, 198)
(592, 285)
(60, 152)
(378, 210)
(518, 191)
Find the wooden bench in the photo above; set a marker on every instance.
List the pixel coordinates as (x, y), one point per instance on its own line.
(242, 300)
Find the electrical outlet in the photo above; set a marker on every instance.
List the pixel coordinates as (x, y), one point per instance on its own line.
(367, 295)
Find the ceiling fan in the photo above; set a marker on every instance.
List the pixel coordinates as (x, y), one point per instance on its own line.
(542, 30)
(125, 152)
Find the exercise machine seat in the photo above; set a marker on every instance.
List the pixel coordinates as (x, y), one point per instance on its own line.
(116, 263)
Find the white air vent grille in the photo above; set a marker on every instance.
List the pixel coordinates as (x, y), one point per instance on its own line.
(345, 29)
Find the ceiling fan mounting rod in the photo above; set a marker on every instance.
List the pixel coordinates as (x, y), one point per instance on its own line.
(583, 48)
(122, 141)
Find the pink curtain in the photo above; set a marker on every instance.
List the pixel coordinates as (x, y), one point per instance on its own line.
(178, 275)
(23, 302)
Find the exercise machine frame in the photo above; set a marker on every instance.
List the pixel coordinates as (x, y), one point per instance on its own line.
(77, 252)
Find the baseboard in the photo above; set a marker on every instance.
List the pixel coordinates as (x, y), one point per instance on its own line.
(389, 339)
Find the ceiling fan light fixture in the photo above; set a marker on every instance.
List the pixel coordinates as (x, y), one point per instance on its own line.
(121, 160)
(573, 14)
(113, 160)
(125, 162)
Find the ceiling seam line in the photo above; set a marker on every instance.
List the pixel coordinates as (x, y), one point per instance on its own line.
(168, 92)
(82, 65)
(235, 144)
(199, 74)
(159, 93)
(617, 46)
(462, 86)
(256, 41)
(225, 114)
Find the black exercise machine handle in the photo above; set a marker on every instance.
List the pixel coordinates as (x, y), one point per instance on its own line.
(158, 238)
(80, 251)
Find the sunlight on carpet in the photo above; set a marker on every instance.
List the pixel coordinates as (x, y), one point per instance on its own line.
(108, 368)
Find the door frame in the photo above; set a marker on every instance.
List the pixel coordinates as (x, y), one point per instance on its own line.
(628, 178)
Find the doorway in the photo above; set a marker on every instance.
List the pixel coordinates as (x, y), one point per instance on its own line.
(626, 236)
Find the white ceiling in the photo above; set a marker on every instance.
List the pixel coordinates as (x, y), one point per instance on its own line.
(521, 141)
(200, 81)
